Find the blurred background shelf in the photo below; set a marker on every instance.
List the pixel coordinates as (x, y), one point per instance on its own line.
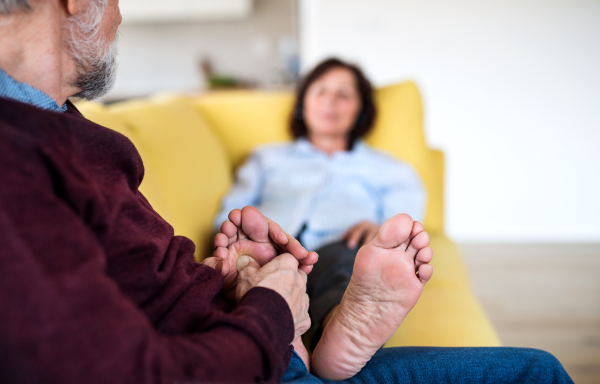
(252, 42)
(160, 11)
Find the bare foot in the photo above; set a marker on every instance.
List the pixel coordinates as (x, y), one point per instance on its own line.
(388, 278)
(248, 232)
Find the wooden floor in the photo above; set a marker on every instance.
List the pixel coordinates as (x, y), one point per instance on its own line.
(543, 296)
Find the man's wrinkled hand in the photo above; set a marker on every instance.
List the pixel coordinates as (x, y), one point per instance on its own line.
(248, 232)
(284, 277)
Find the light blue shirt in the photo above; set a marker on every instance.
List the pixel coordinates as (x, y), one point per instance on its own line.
(296, 184)
(25, 93)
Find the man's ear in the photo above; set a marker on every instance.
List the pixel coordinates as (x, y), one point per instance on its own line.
(72, 6)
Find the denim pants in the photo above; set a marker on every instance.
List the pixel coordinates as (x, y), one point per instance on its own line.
(447, 365)
(326, 286)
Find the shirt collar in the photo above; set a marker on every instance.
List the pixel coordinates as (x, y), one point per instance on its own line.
(304, 146)
(25, 93)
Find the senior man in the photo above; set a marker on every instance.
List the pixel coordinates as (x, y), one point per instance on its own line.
(95, 288)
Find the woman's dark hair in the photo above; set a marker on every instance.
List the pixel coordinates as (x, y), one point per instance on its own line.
(366, 117)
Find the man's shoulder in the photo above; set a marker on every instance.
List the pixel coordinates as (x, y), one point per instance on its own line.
(66, 134)
(22, 160)
(12, 123)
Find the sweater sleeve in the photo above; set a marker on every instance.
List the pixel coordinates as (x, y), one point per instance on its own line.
(63, 319)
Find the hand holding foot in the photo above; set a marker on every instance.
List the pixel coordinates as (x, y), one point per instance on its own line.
(388, 278)
(248, 232)
(284, 277)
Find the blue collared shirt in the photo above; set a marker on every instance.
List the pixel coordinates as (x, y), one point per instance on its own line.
(25, 93)
(295, 184)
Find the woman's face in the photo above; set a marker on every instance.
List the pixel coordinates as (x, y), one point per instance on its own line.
(332, 104)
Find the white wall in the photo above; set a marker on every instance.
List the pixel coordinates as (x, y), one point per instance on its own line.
(156, 57)
(512, 95)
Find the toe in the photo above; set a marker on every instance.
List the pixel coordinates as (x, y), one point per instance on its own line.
(221, 240)
(310, 259)
(394, 231)
(419, 242)
(254, 224)
(425, 272)
(221, 253)
(276, 233)
(416, 229)
(230, 230)
(236, 217)
(424, 256)
(294, 247)
(217, 264)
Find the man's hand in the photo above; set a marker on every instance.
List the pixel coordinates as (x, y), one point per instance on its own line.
(365, 231)
(284, 277)
(248, 232)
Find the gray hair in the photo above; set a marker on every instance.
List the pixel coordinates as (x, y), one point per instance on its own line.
(95, 58)
(9, 6)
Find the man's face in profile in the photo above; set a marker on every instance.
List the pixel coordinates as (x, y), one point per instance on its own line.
(92, 43)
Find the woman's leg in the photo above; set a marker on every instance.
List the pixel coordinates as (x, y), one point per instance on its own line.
(327, 283)
(449, 365)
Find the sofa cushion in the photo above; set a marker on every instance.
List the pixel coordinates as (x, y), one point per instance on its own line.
(100, 115)
(245, 119)
(446, 318)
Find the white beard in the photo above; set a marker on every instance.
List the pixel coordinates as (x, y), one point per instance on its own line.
(94, 57)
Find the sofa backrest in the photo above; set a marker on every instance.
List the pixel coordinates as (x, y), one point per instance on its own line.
(245, 119)
(399, 131)
(187, 171)
(191, 146)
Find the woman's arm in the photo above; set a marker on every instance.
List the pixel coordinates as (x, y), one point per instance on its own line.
(403, 192)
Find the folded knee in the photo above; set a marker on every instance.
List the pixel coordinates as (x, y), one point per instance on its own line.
(547, 366)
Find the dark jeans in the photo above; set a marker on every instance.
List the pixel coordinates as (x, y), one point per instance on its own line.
(448, 365)
(326, 285)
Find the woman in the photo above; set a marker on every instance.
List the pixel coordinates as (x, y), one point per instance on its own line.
(334, 192)
(328, 186)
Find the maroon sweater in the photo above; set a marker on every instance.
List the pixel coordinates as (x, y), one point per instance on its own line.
(95, 287)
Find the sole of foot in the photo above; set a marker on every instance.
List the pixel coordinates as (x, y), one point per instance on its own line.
(245, 233)
(248, 232)
(388, 278)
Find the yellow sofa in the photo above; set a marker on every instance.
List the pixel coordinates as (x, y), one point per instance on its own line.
(191, 145)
